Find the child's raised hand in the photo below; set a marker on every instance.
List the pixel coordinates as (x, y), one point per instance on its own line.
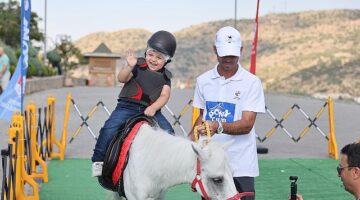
(131, 59)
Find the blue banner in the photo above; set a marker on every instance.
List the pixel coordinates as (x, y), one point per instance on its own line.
(12, 98)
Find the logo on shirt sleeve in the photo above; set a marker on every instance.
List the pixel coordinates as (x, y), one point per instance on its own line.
(220, 111)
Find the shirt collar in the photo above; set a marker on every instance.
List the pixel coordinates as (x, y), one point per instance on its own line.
(236, 77)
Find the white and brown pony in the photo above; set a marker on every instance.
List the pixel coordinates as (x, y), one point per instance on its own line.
(158, 161)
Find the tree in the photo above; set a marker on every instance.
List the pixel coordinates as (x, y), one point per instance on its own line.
(10, 17)
(67, 51)
(55, 58)
(65, 55)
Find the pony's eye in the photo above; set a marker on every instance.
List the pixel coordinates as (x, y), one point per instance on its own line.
(217, 180)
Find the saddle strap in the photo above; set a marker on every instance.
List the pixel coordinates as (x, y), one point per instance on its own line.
(117, 173)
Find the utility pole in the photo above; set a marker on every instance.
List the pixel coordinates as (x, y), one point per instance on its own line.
(235, 13)
(45, 32)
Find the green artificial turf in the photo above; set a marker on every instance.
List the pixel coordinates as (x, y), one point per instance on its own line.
(317, 180)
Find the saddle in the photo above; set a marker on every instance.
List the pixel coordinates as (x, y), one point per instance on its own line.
(112, 176)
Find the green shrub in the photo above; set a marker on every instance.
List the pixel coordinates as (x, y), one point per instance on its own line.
(53, 56)
(31, 71)
(33, 61)
(48, 71)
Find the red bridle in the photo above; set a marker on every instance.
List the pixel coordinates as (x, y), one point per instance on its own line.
(197, 180)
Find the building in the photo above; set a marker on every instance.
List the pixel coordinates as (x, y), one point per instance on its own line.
(102, 66)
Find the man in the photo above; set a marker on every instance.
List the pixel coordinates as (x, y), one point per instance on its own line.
(349, 169)
(229, 97)
(4, 69)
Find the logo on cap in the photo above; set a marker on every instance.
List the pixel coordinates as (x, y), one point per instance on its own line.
(230, 39)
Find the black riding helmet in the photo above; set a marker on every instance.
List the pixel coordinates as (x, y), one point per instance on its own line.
(163, 42)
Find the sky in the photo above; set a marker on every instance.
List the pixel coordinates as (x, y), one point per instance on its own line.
(78, 18)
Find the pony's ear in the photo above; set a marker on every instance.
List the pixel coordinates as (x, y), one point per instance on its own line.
(201, 153)
(227, 144)
(196, 149)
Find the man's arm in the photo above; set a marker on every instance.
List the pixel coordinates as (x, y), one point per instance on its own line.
(239, 127)
(3, 70)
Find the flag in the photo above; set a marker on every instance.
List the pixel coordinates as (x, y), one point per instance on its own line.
(254, 44)
(12, 98)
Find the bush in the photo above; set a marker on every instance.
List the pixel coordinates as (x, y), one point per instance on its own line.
(33, 61)
(31, 71)
(49, 71)
(53, 56)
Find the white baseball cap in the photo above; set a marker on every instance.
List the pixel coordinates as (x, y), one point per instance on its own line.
(228, 42)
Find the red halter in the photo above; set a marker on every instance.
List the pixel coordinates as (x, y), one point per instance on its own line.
(197, 180)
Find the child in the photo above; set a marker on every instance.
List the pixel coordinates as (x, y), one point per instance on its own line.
(146, 90)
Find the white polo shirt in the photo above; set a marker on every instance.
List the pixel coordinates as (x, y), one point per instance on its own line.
(225, 100)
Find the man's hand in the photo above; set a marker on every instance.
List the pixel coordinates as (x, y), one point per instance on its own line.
(191, 136)
(213, 125)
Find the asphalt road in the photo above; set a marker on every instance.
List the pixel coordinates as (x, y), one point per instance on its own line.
(313, 145)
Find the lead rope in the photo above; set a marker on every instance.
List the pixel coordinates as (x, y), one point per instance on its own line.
(197, 179)
(196, 135)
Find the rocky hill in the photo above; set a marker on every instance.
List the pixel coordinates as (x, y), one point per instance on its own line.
(300, 53)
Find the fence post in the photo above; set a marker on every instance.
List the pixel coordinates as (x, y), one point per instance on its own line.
(64, 132)
(332, 145)
(51, 121)
(195, 115)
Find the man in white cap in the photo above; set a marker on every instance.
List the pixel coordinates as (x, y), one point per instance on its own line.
(229, 97)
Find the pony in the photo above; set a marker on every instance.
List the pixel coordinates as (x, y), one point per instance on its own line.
(158, 161)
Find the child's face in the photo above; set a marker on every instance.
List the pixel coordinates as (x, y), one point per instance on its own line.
(155, 60)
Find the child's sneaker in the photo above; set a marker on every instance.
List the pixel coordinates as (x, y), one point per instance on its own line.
(97, 169)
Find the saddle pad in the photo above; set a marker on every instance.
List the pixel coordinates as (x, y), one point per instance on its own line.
(117, 173)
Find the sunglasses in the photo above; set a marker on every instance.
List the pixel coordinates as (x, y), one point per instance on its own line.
(339, 169)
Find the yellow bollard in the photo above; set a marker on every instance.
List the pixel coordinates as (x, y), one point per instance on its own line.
(195, 115)
(61, 145)
(332, 145)
(64, 133)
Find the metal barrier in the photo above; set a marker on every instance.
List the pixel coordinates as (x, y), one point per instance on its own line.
(285, 117)
(35, 157)
(84, 119)
(177, 118)
(332, 145)
(100, 103)
(17, 159)
(8, 179)
(31, 142)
